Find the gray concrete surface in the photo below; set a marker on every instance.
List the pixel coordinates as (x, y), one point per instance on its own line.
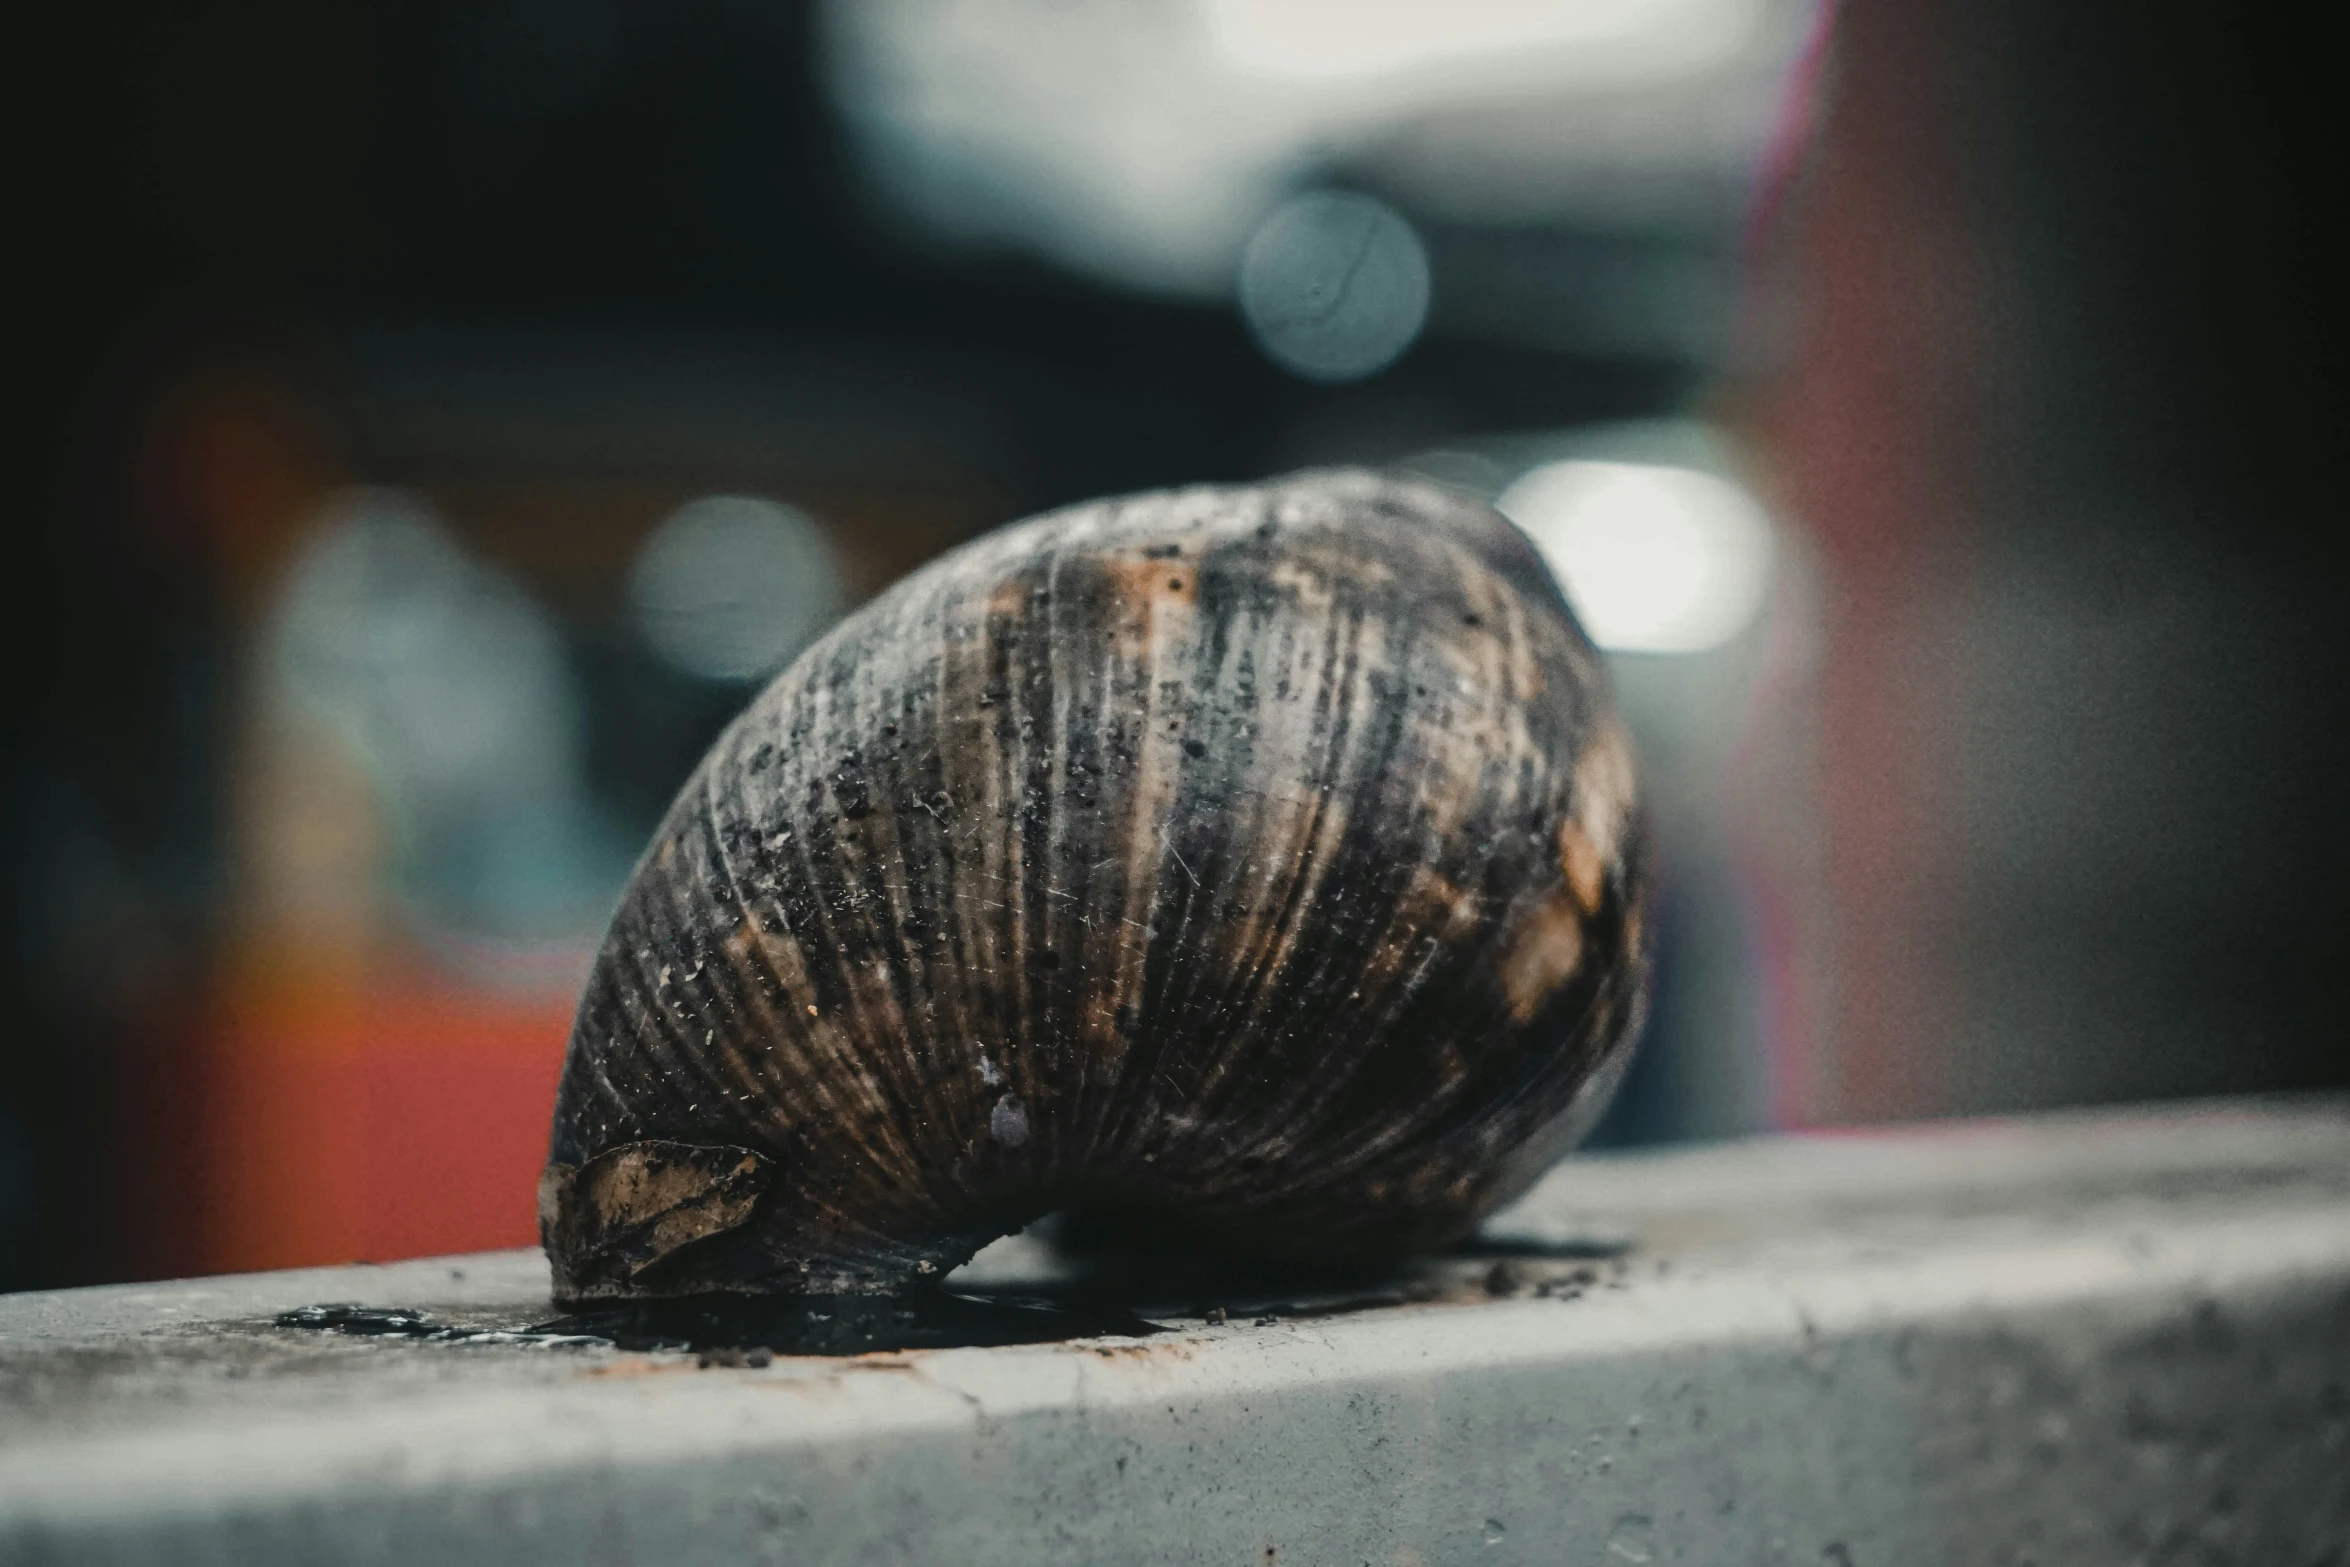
(2114, 1338)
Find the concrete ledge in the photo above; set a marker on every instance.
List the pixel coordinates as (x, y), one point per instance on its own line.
(2076, 1339)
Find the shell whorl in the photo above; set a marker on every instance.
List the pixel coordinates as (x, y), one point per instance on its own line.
(1262, 861)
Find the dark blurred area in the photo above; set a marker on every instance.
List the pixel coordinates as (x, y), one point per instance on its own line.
(439, 419)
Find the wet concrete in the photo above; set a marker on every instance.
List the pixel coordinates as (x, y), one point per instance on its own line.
(2117, 1338)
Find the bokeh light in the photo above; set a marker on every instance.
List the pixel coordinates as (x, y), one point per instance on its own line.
(1654, 559)
(731, 586)
(451, 685)
(1334, 286)
(1640, 39)
(443, 674)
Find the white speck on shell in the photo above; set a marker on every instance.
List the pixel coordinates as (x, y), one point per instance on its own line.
(1009, 1122)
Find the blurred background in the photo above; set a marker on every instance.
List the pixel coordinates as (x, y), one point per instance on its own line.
(438, 419)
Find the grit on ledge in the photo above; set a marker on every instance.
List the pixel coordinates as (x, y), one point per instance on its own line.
(2108, 1338)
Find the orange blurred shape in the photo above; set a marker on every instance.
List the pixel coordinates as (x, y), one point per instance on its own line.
(400, 1115)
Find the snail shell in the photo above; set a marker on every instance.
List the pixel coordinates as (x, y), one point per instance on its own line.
(1260, 862)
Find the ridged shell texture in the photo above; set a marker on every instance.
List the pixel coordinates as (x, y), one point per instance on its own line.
(1260, 865)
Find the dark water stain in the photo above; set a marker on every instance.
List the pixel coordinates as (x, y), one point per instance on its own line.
(783, 1325)
(371, 1321)
(844, 1324)
(1100, 1262)
(1094, 1289)
(404, 1322)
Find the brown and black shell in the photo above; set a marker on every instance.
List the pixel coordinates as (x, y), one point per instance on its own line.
(1261, 862)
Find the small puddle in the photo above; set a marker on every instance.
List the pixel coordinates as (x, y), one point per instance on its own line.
(844, 1324)
(1077, 1287)
(782, 1325)
(402, 1322)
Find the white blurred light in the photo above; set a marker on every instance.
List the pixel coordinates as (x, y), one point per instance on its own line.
(1334, 286)
(1139, 143)
(445, 674)
(731, 586)
(1654, 559)
(1338, 38)
(452, 686)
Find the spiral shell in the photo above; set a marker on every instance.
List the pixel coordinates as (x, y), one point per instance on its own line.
(1261, 863)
